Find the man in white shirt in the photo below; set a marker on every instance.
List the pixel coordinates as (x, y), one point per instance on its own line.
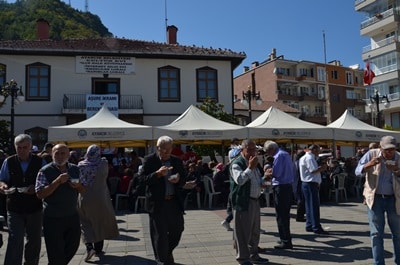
(310, 174)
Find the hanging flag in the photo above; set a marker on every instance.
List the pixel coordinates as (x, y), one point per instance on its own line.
(368, 74)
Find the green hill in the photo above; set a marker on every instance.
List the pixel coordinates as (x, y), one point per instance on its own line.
(18, 20)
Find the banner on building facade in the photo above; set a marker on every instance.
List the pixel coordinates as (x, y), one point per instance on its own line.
(105, 65)
(94, 102)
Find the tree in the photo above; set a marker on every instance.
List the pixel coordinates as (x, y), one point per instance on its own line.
(212, 108)
(5, 136)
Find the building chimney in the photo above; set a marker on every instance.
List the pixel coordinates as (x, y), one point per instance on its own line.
(245, 69)
(254, 64)
(171, 34)
(272, 55)
(43, 29)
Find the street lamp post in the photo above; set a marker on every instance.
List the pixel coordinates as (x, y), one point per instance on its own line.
(378, 99)
(11, 90)
(247, 97)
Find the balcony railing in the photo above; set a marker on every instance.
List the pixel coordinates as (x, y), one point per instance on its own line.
(376, 18)
(379, 44)
(357, 2)
(78, 101)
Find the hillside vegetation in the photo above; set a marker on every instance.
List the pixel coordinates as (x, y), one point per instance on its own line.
(18, 20)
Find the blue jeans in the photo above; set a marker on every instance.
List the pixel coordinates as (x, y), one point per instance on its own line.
(311, 199)
(19, 225)
(376, 218)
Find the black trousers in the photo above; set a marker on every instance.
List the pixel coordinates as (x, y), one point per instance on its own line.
(166, 227)
(62, 238)
(283, 201)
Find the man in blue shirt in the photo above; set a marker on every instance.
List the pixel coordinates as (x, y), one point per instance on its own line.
(283, 176)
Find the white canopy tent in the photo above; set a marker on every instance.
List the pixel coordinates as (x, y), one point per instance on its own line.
(103, 129)
(282, 127)
(197, 126)
(348, 128)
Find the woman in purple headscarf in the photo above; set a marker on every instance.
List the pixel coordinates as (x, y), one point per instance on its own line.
(96, 212)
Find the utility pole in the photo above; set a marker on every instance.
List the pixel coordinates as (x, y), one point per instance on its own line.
(327, 93)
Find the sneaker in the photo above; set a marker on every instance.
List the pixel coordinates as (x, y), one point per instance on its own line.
(321, 232)
(284, 245)
(90, 254)
(258, 260)
(100, 253)
(226, 225)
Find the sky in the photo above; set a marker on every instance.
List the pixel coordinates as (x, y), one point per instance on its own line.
(295, 28)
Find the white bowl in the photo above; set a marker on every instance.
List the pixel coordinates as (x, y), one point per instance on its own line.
(10, 191)
(174, 176)
(74, 181)
(22, 189)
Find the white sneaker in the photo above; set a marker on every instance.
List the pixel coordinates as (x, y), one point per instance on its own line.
(90, 254)
(226, 225)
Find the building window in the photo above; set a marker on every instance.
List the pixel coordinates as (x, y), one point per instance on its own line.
(169, 88)
(349, 78)
(104, 86)
(282, 71)
(350, 94)
(395, 120)
(38, 82)
(3, 72)
(318, 111)
(303, 72)
(207, 84)
(321, 74)
(334, 74)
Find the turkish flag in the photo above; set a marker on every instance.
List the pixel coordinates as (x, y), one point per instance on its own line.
(368, 74)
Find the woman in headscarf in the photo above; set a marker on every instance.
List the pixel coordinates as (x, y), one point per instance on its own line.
(96, 212)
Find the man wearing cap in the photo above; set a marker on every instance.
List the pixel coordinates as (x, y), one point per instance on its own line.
(382, 195)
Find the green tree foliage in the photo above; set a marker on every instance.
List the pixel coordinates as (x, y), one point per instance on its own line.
(216, 110)
(18, 20)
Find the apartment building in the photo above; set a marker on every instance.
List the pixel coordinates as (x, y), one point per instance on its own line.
(319, 92)
(152, 83)
(382, 27)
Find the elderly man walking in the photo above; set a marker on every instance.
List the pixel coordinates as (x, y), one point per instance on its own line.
(382, 195)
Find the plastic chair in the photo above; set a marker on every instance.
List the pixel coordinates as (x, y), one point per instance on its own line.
(118, 196)
(113, 183)
(197, 198)
(143, 201)
(209, 191)
(358, 186)
(339, 184)
(266, 192)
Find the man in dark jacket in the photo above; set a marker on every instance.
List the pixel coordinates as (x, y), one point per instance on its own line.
(164, 176)
(17, 180)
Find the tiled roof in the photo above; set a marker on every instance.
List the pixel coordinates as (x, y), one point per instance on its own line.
(118, 46)
(265, 105)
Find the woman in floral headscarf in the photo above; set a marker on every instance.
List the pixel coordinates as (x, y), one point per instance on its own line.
(96, 212)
